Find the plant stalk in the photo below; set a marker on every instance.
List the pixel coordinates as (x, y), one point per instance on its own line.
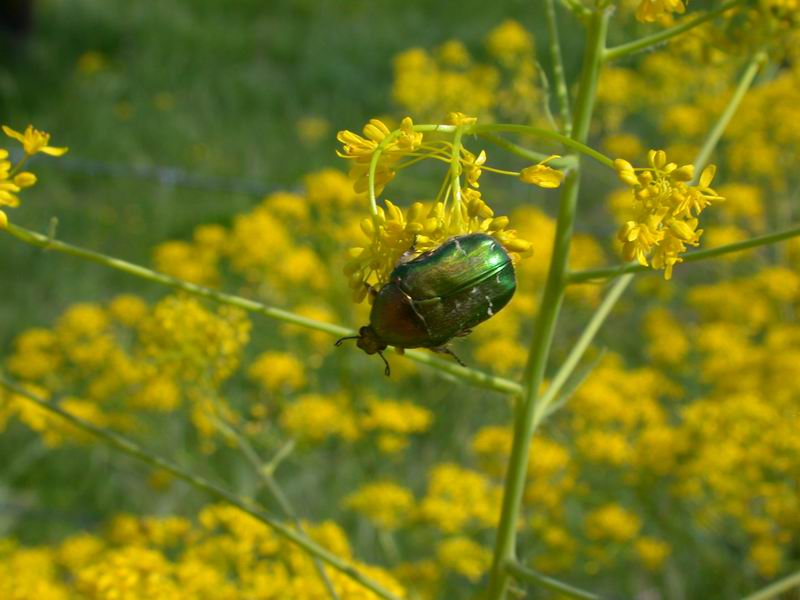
(527, 416)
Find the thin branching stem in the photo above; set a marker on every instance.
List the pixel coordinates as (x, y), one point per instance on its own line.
(132, 449)
(525, 574)
(582, 344)
(564, 162)
(473, 376)
(275, 490)
(664, 35)
(562, 96)
(714, 136)
(700, 255)
(573, 143)
(776, 588)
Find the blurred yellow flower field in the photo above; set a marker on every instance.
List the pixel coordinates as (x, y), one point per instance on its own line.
(627, 426)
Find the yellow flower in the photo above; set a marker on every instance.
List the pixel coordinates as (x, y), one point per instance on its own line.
(509, 41)
(465, 557)
(360, 150)
(542, 175)
(652, 552)
(613, 523)
(277, 371)
(8, 187)
(34, 141)
(459, 118)
(392, 233)
(387, 505)
(666, 208)
(650, 11)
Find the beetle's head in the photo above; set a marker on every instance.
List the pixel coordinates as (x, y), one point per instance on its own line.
(370, 343)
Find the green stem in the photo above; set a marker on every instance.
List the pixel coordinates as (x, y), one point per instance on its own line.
(756, 62)
(133, 450)
(473, 376)
(558, 67)
(527, 417)
(252, 457)
(455, 170)
(573, 143)
(565, 162)
(580, 347)
(773, 590)
(554, 585)
(755, 242)
(650, 41)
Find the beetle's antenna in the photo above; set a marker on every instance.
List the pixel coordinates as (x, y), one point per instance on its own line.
(349, 337)
(387, 371)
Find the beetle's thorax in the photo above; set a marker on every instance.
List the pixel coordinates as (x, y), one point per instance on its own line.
(369, 341)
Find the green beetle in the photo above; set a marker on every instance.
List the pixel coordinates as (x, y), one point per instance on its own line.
(439, 295)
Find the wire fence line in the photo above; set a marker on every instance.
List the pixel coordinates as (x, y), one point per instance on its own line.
(162, 175)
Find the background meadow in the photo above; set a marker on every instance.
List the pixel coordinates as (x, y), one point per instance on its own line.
(202, 144)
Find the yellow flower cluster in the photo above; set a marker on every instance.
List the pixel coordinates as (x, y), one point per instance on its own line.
(12, 178)
(666, 207)
(317, 417)
(361, 149)
(386, 505)
(113, 364)
(458, 497)
(448, 79)
(650, 11)
(226, 555)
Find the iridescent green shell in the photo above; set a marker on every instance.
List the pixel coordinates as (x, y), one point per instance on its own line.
(443, 293)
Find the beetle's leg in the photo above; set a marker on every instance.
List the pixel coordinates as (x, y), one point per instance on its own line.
(387, 371)
(446, 350)
(464, 333)
(409, 254)
(338, 342)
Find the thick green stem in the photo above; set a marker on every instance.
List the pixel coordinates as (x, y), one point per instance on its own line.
(554, 585)
(650, 41)
(558, 67)
(777, 588)
(472, 376)
(133, 450)
(713, 137)
(527, 417)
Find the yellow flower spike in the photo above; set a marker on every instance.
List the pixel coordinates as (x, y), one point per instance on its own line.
(542, 175)
(25, 179)
(34, 141)
(666, 207)
(3, 220)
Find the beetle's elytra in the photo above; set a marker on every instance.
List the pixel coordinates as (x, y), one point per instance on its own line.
(439, 295)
